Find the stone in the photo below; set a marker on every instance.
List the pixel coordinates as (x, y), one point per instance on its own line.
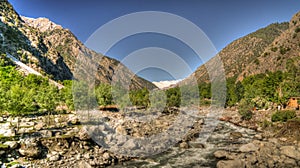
(196, 145)
(1, 119)
(83, 135)
(30, 148)
(290, 151)
(221, 154)
(12, 144)
(7, 130)
(121, 130)
(184, 145)
(55, 157)
(39, 126)
(73, 120)
(25, 130)
(26, 124)
(130, 144)
(106, 156)
(230, 164)
(290, 162)
(46, 133)
(84, 164)
(30, 152)
(250, 147)
(87, 156)
(236, 135)
(258, 136)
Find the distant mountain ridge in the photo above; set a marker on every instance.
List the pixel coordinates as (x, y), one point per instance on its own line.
(282, 54)
(240, 56)
(52, 50)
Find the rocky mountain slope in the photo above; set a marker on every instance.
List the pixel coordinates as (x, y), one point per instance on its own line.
(240, 53)
(53, 50)
(282, 54)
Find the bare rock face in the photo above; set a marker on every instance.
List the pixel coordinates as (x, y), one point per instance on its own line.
(50, 49)
(43, 24)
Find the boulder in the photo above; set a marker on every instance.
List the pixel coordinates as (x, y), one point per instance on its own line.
(290, 151)
(183, 145)
(7, 130)
(230, 164)
(39, 126)
(221, 154)
(46, 133)
(250, 147)
(30, 148)
(196, 145)
(12, 144)
(236, 135)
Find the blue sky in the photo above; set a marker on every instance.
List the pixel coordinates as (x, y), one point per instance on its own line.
(222, 21)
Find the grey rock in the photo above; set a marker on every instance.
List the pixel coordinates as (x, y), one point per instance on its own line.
(12, 144)
(130, 144)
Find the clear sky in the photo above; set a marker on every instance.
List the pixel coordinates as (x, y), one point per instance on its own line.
(222, 21)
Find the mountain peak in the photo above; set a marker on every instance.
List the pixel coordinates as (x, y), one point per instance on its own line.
(43, 24)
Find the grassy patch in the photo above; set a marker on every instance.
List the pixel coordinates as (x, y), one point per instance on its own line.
(283, 115)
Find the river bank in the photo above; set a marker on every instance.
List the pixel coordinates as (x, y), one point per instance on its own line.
(61, 141)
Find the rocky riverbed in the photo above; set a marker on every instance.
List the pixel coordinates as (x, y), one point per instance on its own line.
(61, 141)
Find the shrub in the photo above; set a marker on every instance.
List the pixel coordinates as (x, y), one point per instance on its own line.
(274, 49)
(297, 30)
(266, 124)
(244, 108)
(283, 115)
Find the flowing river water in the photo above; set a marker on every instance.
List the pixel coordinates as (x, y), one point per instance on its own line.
(225, 136)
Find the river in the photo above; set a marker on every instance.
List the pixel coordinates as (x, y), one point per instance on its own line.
(225, 136)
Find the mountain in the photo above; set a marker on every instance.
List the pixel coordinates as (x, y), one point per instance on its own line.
(165, 84)
(240, 53)
(54, 51)
(282, 54)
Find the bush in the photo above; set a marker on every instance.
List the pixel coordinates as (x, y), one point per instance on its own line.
(283, 115)
(244, 108)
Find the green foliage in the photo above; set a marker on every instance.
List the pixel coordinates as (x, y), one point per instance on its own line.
(173, 97)
(266, 124)
(297, 30)
(66, 95)
(24, 95)
(274, 49)
(269, 33)
(103, 94)
(140, 97)
(283, 50)
(283, 115)
(244, 108)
